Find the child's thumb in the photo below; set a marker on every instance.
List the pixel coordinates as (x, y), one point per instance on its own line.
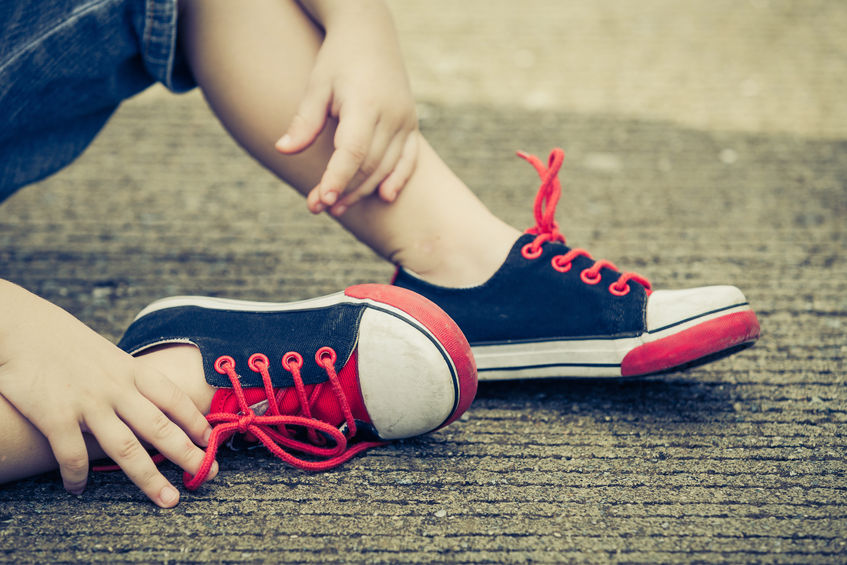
(306, 124)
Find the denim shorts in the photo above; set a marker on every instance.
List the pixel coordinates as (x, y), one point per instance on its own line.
(66, 65)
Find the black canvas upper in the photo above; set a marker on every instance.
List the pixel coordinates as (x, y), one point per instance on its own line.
(528, 300)
(240, 334)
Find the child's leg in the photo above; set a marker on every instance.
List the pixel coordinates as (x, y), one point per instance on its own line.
(253, 61)
(538, 316)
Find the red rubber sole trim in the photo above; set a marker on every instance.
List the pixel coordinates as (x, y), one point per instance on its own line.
(442, 326)
(689, 345)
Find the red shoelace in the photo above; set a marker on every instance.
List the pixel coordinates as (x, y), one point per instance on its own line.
(281, 433)
(547, 230)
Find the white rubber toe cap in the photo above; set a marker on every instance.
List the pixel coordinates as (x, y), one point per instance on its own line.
(667, 308)
(407, 381)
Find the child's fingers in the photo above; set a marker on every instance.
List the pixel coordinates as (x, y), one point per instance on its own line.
(313, 201)
(308, 122)
(152, 425)
(352, 146)
(391, 186)
(119, 443)
(384, 152)
(171, 400)
(70, 452)
(364, 187)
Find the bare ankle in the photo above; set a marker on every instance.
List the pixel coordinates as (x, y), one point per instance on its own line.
(459, 261)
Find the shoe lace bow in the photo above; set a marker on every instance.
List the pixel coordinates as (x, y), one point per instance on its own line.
(284, 434)
(546, 229)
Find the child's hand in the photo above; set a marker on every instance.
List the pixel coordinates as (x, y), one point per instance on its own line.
(66, 379)
(359, 80)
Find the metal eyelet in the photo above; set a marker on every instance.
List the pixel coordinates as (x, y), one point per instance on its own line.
(529, 253)
(613, 288)
(292, 359)
(222, 362)
(256, 360)
(588, 279)
(557, 264)
(326, 354)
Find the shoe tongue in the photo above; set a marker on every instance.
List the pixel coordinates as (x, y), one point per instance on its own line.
(325, 407)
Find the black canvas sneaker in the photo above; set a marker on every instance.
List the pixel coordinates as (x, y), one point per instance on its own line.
(553, 311)
(320, 380)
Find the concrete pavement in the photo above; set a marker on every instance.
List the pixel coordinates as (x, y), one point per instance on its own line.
(742, 460)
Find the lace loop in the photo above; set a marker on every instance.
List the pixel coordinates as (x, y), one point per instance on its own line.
(326, 357)
(273, 428)
(547, 197)
(547, 230)
(563, 263)
(293, 362)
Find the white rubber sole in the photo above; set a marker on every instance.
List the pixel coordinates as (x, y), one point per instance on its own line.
(684, 341)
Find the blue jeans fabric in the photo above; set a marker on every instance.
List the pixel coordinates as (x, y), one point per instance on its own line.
(66, 65)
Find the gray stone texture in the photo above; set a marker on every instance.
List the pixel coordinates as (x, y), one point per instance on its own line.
(742, 460)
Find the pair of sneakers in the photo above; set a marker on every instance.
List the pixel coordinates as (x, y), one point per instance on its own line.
(319, 381)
